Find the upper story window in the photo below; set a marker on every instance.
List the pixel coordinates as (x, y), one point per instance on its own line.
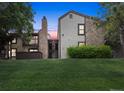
(70, 16)
(34, 40)
(81, 29)
(14, 41)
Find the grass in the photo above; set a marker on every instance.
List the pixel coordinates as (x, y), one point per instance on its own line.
(66, 74)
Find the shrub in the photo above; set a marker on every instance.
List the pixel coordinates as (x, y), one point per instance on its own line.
(104, 52)
(90, 52)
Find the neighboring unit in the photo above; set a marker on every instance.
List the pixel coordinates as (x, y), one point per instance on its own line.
(75, 29)
(36, 48)
(40, 45)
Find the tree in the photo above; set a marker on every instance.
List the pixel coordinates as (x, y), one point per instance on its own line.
(15, 18)
(113, 17)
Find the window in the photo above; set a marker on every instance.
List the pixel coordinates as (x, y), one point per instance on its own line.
(33, 50)
(70, 16)
(81, 43)
(13, 52)
(14, 41)
(9, 53)
(34, 40)
(81, 29)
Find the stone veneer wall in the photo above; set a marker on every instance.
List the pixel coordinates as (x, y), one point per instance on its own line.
(94, 36)
(43, 41)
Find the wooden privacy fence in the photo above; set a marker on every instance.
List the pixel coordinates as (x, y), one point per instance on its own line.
(28, 55)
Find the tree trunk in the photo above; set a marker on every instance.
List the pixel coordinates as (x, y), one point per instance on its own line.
(122, 41)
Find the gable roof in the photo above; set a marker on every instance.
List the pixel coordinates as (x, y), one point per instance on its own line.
(74, 12)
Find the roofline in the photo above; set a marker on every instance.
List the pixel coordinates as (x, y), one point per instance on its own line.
(74, 12)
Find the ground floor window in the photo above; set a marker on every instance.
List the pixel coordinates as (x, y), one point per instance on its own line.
(13, 51)
(9, 53)
(81, 43)
(33, 50)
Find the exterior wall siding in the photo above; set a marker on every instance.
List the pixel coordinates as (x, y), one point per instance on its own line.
(94, 35)
(18, 45)
(69, 33)
(22, 48)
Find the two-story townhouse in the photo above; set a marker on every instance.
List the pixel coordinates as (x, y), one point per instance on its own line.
(75, 29)
(33, 49)
(43, 44)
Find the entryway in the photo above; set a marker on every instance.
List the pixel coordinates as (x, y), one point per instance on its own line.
(52, 48)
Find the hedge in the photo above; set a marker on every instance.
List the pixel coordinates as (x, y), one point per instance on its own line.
(87, 51)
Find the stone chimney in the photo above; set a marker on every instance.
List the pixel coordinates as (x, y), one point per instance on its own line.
(43, 41)
(44, 25)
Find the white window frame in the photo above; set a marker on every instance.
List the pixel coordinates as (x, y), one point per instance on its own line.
(81, 29)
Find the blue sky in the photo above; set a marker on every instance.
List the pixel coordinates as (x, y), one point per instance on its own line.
(53, 10)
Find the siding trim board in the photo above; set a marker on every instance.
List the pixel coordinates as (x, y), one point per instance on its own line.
(74, 12)
(85, 30)
(59, 39)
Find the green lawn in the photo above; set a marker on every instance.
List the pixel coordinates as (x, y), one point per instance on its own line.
(67, 74)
